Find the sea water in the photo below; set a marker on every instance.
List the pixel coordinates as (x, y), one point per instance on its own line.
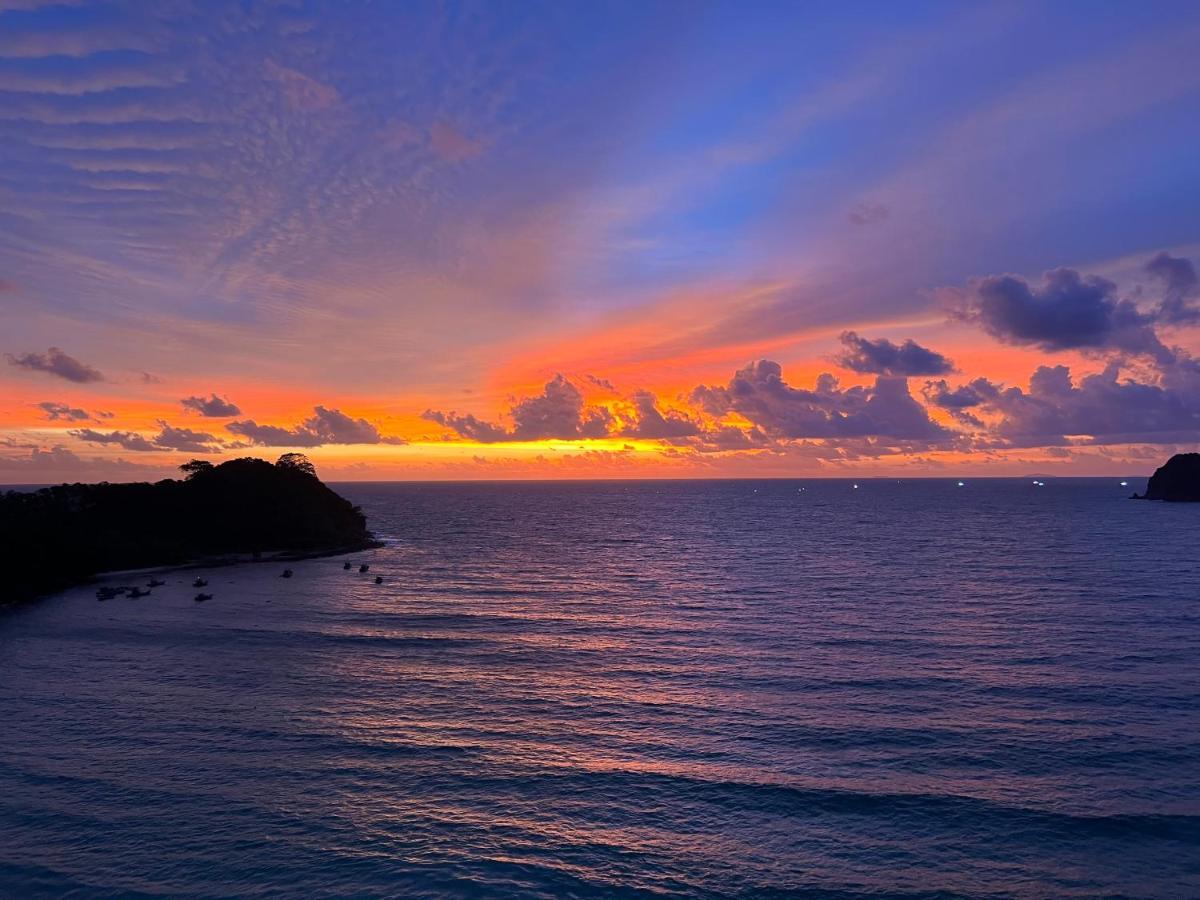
(652, 688)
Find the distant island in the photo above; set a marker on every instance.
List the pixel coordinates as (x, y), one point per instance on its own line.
(59, 536)
(1177, 480)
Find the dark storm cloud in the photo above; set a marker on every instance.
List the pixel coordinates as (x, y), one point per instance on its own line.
(882, 357)
(1178, 278)
(325, 426)
(212, 407)
(759, 394)
(55, 362)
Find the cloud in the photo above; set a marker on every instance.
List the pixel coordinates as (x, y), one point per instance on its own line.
(468, 426)
(185, 439)
(728, 437)
(1067, 311)
(882, 357)
(451, 144)
(1178, 278)
(650, 423)
(558, 413)
(975, 393)
(168, 438)
(129, 440)
(43, 465)
(325, 426)
(958, 401)
(76, 40)
(54, 459)
(300, 92)
(57, 412)
(759, 394)
(1102, 407)
(868, 214)
(777, 414)
(555, 414)
(213, 407)
(55, 362)
(88, 77)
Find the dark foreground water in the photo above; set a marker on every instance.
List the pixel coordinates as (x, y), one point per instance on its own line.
(746, 688)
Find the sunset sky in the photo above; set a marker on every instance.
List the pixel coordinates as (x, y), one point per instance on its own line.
(546, 240)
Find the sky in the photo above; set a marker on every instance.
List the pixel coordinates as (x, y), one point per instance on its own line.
(598, 240)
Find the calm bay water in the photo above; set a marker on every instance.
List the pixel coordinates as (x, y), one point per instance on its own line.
(698, 688)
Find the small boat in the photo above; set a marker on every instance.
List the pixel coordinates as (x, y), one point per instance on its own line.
(346, 566)
(200, 582)
(379, 579)
(135, 592)
(200, 598)
(286, 573)
(363, 568)
(154, 582)
(106, 593)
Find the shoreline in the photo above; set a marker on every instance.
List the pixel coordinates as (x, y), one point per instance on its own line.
(219, 560)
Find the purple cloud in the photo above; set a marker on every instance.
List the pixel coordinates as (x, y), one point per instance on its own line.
(882, 357)
(1067, 311)
(325, 426)
(1103, 407)
(61, 412)
(555, 414)
(128, 440)
(1178, 278)
(55, 362)
(212, 407)
(759, 394)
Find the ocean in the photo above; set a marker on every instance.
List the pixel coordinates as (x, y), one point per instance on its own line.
(701, 688)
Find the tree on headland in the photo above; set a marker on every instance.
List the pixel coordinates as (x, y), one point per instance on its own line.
(196, 467)
(297, 462)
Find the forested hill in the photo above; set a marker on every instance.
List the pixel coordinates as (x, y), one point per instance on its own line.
(58, 536)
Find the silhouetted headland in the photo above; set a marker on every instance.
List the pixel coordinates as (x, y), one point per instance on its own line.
(1177, 480)
(59, 536)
